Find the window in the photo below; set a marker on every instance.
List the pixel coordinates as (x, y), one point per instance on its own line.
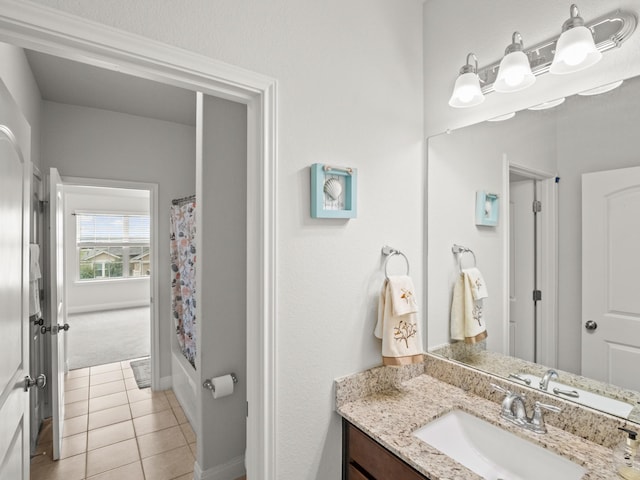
(112, 246)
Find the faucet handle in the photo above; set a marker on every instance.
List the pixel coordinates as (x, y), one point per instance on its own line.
(537, 419)
(500, 389)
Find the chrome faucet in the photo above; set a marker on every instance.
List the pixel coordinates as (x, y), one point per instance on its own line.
(514, 409)
(544, 383)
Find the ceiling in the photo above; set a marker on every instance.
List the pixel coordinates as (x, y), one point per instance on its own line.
(74, 83)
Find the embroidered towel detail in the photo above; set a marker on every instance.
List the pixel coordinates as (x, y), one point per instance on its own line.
(478, 285)
(467, 322)
(400, 335)
(403, 295)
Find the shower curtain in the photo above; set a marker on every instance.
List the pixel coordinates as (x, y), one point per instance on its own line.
(183, 275)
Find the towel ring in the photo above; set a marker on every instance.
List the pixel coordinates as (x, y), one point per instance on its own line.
(391, 254)
(459, 250)
(475, 262)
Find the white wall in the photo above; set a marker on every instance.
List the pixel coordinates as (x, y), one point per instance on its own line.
(222, 250)
(91, 143)
(16, 75)
(454, 28)
(350, 93)
(84, 296)
(459, 165)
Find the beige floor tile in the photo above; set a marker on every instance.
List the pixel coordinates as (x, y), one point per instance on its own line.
(75, 425)
(77, 373)
(72, 468)
(180, 416)
(154, 422)
(127, 373)
(103, 436)
(133, 471)
(173, 401)
(169, 465)
(76, 395)
(76, 409)
(107, 367)
(112, 456)
(188, 432)
(109, 416)
(74, 445)
(130, 383)
(106, 377)
(161, 441)
(188, 476)
(151, 405)
(194, 449)
(74, 383)
(108, 401)
(106, 389)
(139, 394)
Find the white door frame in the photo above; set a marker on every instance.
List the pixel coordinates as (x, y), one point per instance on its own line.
(547, 260)
(33, 26)
(152, 188)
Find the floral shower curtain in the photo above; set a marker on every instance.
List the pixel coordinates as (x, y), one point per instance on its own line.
(183, 276)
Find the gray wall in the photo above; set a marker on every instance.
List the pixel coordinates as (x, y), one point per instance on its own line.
(86, 142)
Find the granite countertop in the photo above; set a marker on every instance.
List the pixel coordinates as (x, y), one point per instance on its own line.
(390, 417)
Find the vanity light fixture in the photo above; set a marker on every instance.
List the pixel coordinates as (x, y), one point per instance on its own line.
(467, 92)
(575, 49)
(606, 32)
(514, 73)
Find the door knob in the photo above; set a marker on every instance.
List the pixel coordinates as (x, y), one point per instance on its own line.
(40, 382)
(591, 325)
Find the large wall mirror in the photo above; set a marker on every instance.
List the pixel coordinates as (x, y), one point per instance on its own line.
(581, 161)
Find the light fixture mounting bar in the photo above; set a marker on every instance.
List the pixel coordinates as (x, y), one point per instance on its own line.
(609, 31)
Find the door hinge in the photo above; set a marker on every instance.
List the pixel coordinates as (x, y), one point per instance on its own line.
(537, 295)
(43, 205)
(537, 206)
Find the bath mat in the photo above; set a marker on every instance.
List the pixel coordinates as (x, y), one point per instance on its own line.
(142, 372)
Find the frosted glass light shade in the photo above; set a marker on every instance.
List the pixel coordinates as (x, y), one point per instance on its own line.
(466, 92)
(575, 51)
(514, 73)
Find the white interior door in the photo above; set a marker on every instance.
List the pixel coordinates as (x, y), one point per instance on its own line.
(57, 307)
(610, 266)
(14, 321)
(521, 269)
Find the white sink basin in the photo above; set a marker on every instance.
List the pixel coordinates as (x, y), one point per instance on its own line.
(589, 399)
(494, 453)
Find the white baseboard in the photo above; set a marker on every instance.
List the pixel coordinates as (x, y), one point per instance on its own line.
(165, 383)
(231, 470)
(106, 306)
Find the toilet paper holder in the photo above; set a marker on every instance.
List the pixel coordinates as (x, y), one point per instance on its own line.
(208, 384)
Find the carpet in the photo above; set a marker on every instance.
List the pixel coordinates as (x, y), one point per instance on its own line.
(142, 372)
(97, 338)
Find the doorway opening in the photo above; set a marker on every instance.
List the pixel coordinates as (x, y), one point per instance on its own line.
(108, 274)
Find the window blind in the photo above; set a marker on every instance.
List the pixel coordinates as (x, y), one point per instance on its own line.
(110, 229)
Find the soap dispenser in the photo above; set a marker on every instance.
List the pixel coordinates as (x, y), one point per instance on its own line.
(627, 456)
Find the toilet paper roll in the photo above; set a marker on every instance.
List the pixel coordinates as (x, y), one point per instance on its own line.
(222, 386)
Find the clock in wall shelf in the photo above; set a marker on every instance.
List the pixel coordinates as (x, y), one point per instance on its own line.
(333, 191)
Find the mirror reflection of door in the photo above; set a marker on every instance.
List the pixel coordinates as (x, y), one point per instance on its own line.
(610, 266)
(522, 268)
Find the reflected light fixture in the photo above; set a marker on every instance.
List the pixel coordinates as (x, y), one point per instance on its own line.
(514, 73)
(548, 105)
(467, 92)
(502, 118)
(602, 89)
(575, 49)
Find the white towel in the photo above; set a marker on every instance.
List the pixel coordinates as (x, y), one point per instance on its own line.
(467, 322)
(34, 262)
(400, 334)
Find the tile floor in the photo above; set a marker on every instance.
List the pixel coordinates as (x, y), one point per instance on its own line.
(115, 431)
